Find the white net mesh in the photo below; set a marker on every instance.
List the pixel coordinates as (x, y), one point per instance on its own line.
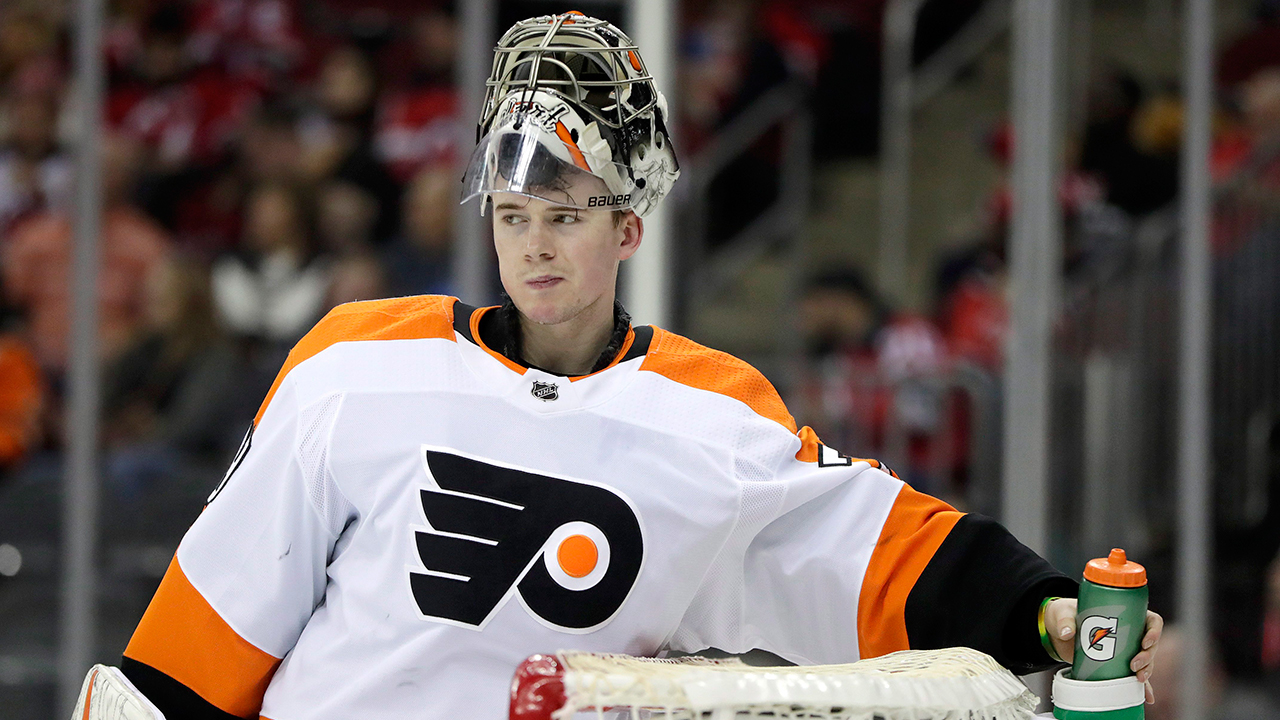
(950, 684)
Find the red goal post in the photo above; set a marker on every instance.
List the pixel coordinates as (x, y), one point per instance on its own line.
(948, 684)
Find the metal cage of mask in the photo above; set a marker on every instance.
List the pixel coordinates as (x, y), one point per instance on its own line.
(590, 63)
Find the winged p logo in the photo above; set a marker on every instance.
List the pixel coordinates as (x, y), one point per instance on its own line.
(571, 549)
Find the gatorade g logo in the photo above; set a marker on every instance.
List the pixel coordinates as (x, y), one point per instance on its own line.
(1098, 637)
(571, 550)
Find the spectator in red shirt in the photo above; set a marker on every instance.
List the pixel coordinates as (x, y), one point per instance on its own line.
(255, 40)
(417, 125)
(185, 114)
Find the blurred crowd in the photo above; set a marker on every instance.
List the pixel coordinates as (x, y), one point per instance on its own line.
(263, 161)
(1120, 170)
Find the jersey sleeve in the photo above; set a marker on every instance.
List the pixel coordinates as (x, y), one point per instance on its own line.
(853, 563)
(249, 572)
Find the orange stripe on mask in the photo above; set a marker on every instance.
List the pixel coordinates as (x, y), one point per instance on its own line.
(579, 159)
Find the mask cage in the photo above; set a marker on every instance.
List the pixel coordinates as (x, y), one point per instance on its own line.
(581, 59)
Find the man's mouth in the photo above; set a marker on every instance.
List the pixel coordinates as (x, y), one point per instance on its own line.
(543, 282)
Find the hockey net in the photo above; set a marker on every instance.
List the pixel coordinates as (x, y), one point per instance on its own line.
(948, 684)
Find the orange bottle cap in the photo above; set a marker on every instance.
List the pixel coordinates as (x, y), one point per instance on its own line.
(1115, 570)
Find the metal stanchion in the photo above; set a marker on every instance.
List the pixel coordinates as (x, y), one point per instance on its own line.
(1194, 497)
(647, 275)
(77, 612)
(1035, 255)
(470, 249)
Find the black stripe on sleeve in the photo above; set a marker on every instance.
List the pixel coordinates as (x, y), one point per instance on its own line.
(982, 589)
(173, 698)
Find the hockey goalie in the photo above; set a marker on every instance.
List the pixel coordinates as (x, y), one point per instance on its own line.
(431, 492)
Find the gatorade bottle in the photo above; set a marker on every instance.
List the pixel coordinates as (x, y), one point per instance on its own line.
(1111, 616)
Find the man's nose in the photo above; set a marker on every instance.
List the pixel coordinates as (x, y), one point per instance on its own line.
(539, 242)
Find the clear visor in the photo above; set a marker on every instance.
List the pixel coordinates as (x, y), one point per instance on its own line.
(537, 163)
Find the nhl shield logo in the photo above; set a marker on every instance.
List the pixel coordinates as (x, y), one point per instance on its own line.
(545, 391)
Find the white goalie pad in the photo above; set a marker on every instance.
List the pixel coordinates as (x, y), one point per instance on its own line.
(108, 695)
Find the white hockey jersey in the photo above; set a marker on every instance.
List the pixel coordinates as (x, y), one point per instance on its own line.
(413, 514)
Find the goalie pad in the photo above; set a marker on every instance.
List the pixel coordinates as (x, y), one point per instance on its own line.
(108, 695)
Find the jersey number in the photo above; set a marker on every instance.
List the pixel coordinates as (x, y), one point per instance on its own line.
(570, 549)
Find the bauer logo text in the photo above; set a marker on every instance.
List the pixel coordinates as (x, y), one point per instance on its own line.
(608, 201)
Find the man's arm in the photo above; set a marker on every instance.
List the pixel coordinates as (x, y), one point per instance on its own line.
(982, 589)
(248, 574)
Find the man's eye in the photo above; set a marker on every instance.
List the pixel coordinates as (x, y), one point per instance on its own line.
(566, 219)
(512, 219)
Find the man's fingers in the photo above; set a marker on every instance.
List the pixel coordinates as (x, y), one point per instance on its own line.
(1060, 624)
(1151, 695)
(1155, 626)
(1061, 618)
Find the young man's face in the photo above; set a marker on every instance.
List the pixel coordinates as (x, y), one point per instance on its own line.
(556, 261)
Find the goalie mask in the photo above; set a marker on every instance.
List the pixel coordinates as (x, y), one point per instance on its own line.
(573, 118)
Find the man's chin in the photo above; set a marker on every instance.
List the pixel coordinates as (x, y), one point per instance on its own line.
(543, 311)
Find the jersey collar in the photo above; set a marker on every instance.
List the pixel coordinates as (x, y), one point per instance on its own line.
(466, 324)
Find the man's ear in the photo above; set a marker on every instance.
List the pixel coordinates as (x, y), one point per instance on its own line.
(632, 228)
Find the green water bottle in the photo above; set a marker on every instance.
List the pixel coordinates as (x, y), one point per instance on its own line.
(1111, 617)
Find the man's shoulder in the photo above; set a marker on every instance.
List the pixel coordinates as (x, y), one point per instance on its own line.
(416, 317)
(689, 363)
(403, 318)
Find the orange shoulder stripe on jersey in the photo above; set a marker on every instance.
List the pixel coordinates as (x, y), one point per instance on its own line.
(916, 526)
(182, 636)
(688, 363)
(407, 318)
(811, 449)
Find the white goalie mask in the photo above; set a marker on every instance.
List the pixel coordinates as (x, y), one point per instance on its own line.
(572, 117)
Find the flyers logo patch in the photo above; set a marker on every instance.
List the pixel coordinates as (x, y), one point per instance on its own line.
(1098, 636)
(570, 550)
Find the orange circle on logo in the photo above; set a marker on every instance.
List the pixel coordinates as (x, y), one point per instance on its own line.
(577, 555)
